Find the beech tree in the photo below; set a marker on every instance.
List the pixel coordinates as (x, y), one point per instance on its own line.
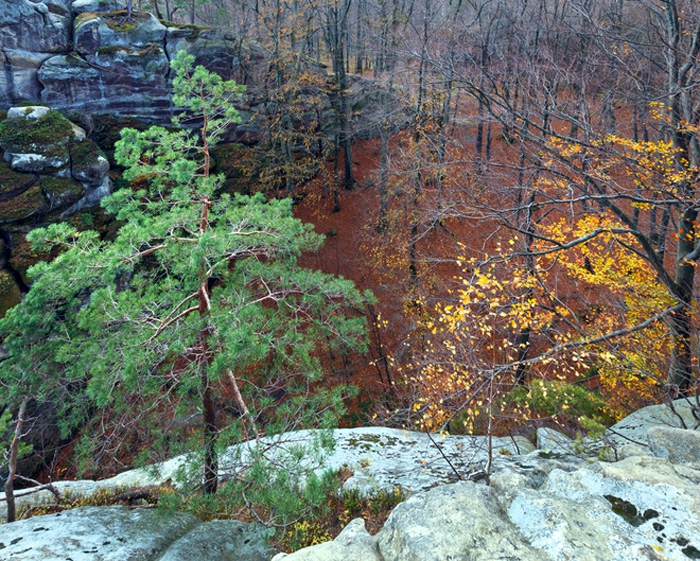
(197, 307)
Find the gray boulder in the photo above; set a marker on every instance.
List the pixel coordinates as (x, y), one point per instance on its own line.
(221, 540)
(31, 113)
(461, 522)
(641, 508)
(216, 50)
(93, 195)
(67, 77)
(61, 192)
(550, 440)
(633, 428)
(352, 544)
(88, 163)
(678, 446)
(116, 532)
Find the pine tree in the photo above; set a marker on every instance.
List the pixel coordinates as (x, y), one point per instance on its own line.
(197, 306)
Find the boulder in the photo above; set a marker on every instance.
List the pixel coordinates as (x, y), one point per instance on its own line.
(30, 113)
(26, 205)
(352, 544)
(13, 183)
(61, 192)
(88, 163)
(678, 446)
(116, 532)
(93, 30)
(221, 540)
(93, 195)
(36, 145)
(384, 458)
(638, 508)
(48, 162)
(41, 27)
(47, 136)
(460, 522)
(72, 170)
(633, 428)
(67, 80)
(217, 51)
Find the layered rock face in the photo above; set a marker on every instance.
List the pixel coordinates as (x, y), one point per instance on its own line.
(87, 55)
(30, 34)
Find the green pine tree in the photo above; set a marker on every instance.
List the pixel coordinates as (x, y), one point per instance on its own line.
(197, 306)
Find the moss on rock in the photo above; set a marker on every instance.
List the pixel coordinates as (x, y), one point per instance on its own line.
(22, 136)
(120, 22)
(13, 183)
(61, 192)
(111, 50)
(23, 206)
(85, 153)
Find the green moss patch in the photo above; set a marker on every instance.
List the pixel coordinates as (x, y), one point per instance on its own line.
(85, 17)
(120, 22)
(85, 152)
(23, 206)
(108, 50)
(195, 29)
(13, 183)
(32, 104)
(23, 136)
(61, 192)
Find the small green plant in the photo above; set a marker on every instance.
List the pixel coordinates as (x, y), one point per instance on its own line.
(306, 533)
(352, 500)
(596, 443)
(384, 500)
(564, 402)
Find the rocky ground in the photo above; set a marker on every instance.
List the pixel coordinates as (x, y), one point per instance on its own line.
(543, 503)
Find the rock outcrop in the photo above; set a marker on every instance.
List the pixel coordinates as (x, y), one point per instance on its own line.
(640, 508)
(88, 56)
(536, 505)
(52, 167)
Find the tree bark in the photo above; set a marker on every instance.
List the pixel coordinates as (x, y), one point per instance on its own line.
(12, 472)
